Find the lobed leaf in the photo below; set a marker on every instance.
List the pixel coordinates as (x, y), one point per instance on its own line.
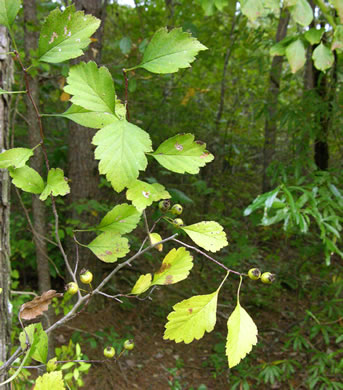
(182, 154)
(27, 179)
(168, 52)
(175, 267)
(121, 148)
(144, 194)
(16, 157)
(191, 318)
(207, 234)
(122, 219)
(50, 380)
(242, 335)
(109, 247)
(56, 184)
(38, 340)
(65, 34)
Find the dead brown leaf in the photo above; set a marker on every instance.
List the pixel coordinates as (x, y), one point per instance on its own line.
(35, 308)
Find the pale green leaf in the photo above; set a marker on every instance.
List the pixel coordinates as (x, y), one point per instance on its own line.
(168, 52)
(302, 12)
(296, 55)
(191, 318)
(38, 340)
(313, 35)
(242, 335)
(87, 118)
(144, 194)
(27, 179)
(142, 284)
(209, 6)
(175, 267)
(338, 4)
(125, 45)
(109, 247)
(252, 9)
(8, 11)
(337, 42)
(65, 34)
(121, 148)
(16, 157)
(92, 87)
(182, 154)
(122, 219)
(323, 57)
(50, 381)
(207, 234)
(56, 184)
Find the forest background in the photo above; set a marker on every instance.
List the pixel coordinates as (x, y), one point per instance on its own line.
(272, 122)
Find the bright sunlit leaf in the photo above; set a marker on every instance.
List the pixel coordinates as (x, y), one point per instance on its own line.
(27, 179)
(51, 380)
(8, 11)
(56, 184)
(144, 194)
(142, 284)
(65, 34)
(16, 157)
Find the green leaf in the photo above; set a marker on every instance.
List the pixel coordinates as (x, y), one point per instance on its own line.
(323, 57)
(142, 284)
(65, 34)
(302, 12)
(337, 42)
(56, 184)
(242, 335)
(168, 52)
(27, 179)
(260, 201)
(16, 157)
(252, 9)
(313, 35)
(92, 87)
(191, 318)
(109, 247)
(38, 340)
(175, 267)
(182, 154)
(210, 6)
(207, 234)
(122, 219)
(51, 380)
(125, 45)
(121, 148)
(87, 118)
(338, 4)
(144, 194)
(8, 11)
(296, 55)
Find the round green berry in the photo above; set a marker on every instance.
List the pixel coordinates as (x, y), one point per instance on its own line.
(164, 205)
(267, 278)
(129, 345)
(254, 273)
(176, 209)
(86, 277)
(109, 352)
(178, 222)
(72, 288)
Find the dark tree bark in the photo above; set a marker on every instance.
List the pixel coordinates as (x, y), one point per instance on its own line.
(270, 129)
(5, 305)
(82, 168)
(37, 161)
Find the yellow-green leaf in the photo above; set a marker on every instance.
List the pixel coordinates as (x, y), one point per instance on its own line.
(50, 381)
(242, 335)
(175, 267)
(109, 247)
(144, 194)
(142, 284)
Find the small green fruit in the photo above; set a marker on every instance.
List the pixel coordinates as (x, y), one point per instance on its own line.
(129, 345)
(109, 352)
(86, 277)
(267, 278)
(178, 222)
(177, 209)
(164, 205)
(72, 288)
(254, 273)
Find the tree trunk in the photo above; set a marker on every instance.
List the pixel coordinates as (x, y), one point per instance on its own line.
(36, 162)
(270, 128)
(82, 168)
(5, 305)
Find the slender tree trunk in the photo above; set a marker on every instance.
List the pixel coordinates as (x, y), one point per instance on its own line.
(270, 128)
(36, 162)
(82, 168)
(5, 305)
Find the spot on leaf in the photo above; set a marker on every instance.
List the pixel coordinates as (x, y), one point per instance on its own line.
(53, 36)
(178, 146)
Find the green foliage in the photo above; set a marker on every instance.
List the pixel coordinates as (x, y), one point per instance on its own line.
(302, 12)
(8, 11)
(109, 247)
(323, 57)
(38, 341)
(144, 194)
(50, 380)
(170, 51)
(27, 179)
(56, 184)
(296, 55)
(122, 219)
(16, 157)
(65, 34)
